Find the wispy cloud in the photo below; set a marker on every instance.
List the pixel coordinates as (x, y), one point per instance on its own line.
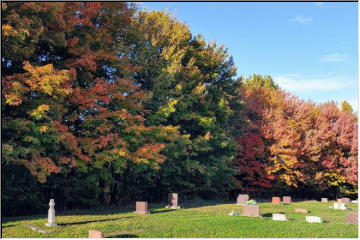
(293, 82)
(301, 19)
(318, 3)
(334, 57)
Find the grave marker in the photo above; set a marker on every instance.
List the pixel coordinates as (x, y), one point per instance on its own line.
(251, 210)
(340, 206)
(142, 208)
(313, 219)
(51, 214)
(301, 210)
(173, 201)
(351, 218)
(276, 200)
(324, 200)
(242, 199)
(279, 217)
(287, 199)
(95, 234)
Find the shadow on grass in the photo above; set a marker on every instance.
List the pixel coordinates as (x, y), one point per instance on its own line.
(204, 203)
(123, 236)
(161, 211)
(91, 221)
(10, 225)
(269, 215)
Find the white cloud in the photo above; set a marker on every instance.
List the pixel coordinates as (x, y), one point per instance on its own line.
(334, 57)
(318, 3)
(301, 19)
(293, 82)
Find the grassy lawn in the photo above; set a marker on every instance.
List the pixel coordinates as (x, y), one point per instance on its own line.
(204, 220)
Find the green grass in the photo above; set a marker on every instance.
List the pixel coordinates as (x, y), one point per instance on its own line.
(204, 220)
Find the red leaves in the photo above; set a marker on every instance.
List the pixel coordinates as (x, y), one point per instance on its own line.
(302, 139)
(85, 62)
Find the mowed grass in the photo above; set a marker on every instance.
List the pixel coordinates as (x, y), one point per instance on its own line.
(204, 220)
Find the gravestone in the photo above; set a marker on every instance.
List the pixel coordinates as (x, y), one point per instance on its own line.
(301, 210)
(51, 214)
(351, 218)
(340, 206)
(95, 234)
(286, 199)
(276, 200)
(173, 201)
(251, 210)
(313, 219)
(242, 199)
(36, 228)
(324, 200)
(142, 208)
(345, 200)
(279, 217)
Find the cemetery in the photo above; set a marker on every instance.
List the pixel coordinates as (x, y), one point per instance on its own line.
(198, 219)
(124, 120)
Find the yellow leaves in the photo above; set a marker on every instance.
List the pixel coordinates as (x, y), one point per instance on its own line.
(199, 89)
(8, 30)
(169, 108)
(178, 86)
(207, 122)
(47, 80)
(43, 128)
(121, 153)
(207, 135)
(39, 112)
(12, 99)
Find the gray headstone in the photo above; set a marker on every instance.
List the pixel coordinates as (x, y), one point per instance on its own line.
(51, 214)
(279, 217)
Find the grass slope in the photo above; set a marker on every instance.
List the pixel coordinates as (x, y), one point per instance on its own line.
(206, 220)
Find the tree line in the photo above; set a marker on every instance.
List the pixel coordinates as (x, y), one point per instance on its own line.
(105, 104)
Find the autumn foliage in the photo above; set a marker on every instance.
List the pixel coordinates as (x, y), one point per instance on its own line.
(105, 104)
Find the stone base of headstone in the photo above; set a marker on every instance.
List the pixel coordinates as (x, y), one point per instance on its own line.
(95, 234)
(51, 224)
(313, 219)
(301, 210)
(275, 200)
(324, 200)
(279, 217)
(142, 208)
(172, 207)
(242, 199)
(251, 211)
(286, 199)
(351, 218)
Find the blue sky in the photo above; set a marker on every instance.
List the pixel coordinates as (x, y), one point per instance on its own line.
(310, 49)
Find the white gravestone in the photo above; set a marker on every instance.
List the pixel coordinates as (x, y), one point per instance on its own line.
(279, 217)
(340, 206)
(51, 214)
(313, 219)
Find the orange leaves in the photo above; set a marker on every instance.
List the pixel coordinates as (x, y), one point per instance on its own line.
(149, 152)
(41, 167)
